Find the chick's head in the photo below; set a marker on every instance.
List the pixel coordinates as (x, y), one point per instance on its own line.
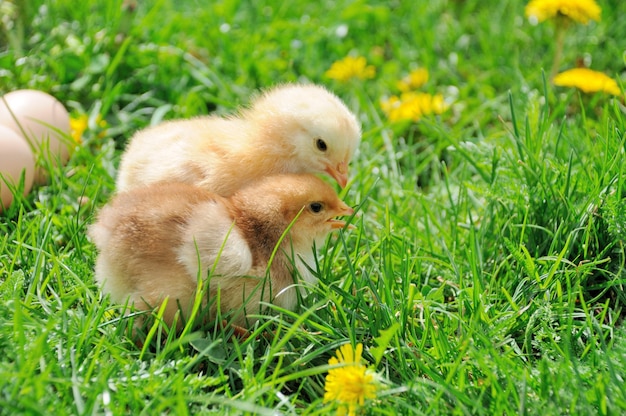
(311, 206)
(313, 126)
(302, 203)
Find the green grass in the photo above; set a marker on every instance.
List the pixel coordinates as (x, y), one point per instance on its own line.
(500, 277)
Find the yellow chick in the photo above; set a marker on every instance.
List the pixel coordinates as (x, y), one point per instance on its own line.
(156, 241)
(289, 129)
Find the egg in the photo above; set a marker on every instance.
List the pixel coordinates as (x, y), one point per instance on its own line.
(15, 157)
(43, 121)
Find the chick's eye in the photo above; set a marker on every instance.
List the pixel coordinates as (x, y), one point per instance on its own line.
(316, 207)
(321, 144)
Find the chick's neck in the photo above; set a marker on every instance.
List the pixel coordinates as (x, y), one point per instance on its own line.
(262, 231)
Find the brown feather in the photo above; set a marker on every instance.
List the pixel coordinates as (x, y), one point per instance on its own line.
(150, 238)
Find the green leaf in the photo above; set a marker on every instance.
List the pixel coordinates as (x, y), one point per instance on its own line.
(383, 341)
(12, 285)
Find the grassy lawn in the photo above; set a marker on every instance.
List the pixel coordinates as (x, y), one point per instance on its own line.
(486, 272)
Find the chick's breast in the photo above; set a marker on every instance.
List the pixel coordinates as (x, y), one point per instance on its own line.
(213, 243)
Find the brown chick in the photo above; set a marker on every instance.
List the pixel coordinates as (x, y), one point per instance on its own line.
(289, 129)
(155, 242)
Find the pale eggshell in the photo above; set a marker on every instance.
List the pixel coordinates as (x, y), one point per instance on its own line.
(42, 120)
(15, 156)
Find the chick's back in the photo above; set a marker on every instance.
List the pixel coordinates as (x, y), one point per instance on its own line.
(193, 151)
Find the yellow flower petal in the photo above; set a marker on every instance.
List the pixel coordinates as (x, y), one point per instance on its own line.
(351, 67)
(78, 125)
(412, 106)
(577, 10)
(587, 81)
(414, 80)
(352, 383)
(102, 123)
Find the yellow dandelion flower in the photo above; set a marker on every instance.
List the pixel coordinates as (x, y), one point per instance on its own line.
(414, 80)
(102, 123)
(587, 81)
(577, 10)
(352, 383)
(413, 106)
(110, 314)
(351, 67)
(391, 106)
(78, 125)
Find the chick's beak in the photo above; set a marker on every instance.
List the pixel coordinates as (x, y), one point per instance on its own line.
(339, 173)
(337, 224)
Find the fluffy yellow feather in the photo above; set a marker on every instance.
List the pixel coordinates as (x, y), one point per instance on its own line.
(289, 129)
